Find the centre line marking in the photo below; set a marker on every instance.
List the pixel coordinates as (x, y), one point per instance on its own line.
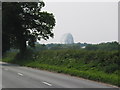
(20, 74)
(47, 83)
(6, 69)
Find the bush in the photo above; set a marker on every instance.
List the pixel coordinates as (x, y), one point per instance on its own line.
(111, 68)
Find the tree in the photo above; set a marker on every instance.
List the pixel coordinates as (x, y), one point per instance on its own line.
(24, 21)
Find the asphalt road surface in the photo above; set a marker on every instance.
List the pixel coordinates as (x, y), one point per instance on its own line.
(15, 76)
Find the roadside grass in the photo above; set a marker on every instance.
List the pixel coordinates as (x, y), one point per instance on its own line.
(89, 74)
(47, 61)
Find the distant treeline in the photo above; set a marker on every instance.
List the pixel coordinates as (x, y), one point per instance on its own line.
(109, 46)
(104, 46)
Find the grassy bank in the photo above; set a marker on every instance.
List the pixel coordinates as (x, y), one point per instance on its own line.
(95, 65)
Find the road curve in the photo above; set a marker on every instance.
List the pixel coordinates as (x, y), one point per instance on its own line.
(15, 76)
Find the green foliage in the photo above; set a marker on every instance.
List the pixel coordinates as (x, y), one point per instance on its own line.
(24, 21)
(109, 46)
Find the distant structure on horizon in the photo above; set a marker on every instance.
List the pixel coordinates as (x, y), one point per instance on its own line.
(67, 39)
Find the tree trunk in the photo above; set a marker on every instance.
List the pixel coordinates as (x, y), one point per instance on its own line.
(23, 47)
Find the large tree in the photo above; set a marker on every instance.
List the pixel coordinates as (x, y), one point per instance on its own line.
(25, 22)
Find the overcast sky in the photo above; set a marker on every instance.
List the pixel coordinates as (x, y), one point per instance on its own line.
(90, 22)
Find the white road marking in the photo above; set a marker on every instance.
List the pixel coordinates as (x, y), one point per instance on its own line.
(47, 83)
(6, 69)
(20, 74)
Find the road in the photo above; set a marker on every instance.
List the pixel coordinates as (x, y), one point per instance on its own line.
(15, 76)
